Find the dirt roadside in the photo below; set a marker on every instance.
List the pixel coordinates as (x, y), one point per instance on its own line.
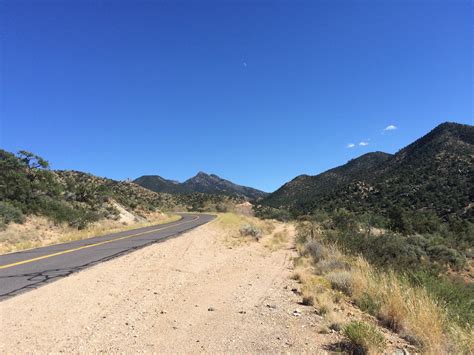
(194, 293)
(188, 294)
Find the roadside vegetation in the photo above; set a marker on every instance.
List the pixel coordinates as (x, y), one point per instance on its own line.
(40, 206)
(239, 229)
(364, 338)
(29, 187)
(404, 282)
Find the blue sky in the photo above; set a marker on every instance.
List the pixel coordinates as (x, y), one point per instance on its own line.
(257, 92)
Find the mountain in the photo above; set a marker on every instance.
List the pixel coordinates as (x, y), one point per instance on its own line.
(213, 184)
(305, 188)
(158, 184)
(203, 183)
(434, 173)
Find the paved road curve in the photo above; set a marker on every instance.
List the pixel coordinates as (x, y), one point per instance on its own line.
(29, 269)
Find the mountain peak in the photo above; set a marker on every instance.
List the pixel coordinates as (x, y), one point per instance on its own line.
(450, 138)
(202, 182)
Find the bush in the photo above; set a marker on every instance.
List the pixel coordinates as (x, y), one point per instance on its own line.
(364, 337)
(444, 255)
(61, 212)
(251, 230)
(341, 281)
(10, 213)
(221, 207)
(327, 265)
(344, 221)
(369, 304)
(266, 212)
(314, 249)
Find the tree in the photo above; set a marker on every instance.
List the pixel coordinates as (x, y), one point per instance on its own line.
(32, 161)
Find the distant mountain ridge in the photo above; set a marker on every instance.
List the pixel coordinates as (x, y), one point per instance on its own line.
(201, 182)
(433, 173)
(157, 183)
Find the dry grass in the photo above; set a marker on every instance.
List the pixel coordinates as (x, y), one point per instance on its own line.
(230, 225)
(325, 305)
(405, 309)
(39, 231)
(463, 338)
(277, 240)
(316, 291)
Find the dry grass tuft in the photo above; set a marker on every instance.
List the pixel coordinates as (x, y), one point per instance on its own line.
(325, 304)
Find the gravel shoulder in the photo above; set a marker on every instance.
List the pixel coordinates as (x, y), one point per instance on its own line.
(195, 293)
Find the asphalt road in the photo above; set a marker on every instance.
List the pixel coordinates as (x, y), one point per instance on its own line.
(29, 269)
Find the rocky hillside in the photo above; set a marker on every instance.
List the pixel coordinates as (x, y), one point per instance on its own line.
(434, 173)
(202, 183)
(29, 187)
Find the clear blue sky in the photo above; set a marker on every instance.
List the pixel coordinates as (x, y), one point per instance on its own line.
(254, 91)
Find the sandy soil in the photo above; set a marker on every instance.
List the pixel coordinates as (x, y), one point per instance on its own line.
(188, 294)
(193, 293)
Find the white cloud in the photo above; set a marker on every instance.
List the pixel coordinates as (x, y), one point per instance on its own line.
(363, 144)
(351, 145)
(390, 128)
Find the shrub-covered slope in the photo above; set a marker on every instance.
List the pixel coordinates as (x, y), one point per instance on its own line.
(28, 186)
(434, 174)
(306, 189)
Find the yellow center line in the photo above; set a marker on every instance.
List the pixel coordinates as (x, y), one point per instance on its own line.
(91, 245)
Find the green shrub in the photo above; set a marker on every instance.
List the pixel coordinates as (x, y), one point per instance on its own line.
(266, 212)
(445, 255)
(10, 213)
(61, 212)
(364, 337)
(344, 220)
(368, 304)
